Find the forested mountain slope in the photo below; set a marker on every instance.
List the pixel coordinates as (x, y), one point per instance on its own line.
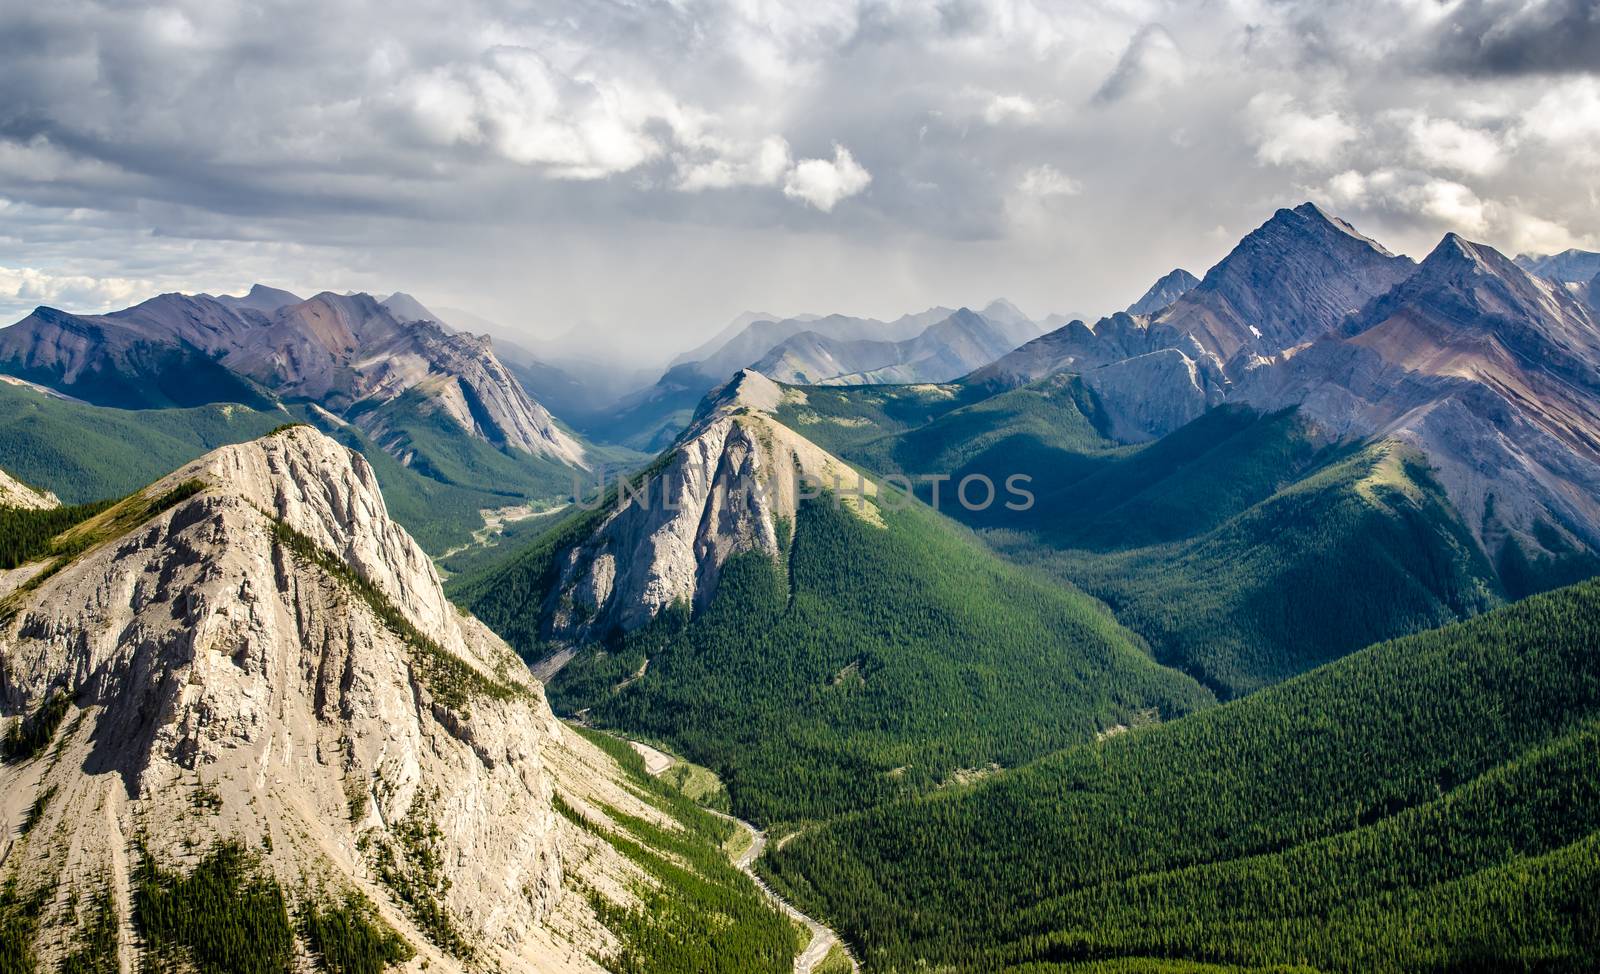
(1429, 803)
(821, 654)
(1242, 547)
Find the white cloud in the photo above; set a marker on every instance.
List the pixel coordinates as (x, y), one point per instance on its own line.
(520, 106)
(1447, 205)
(823, 183)
(1010, 108)
(1450, 204)
(29, 286)
(1447, 144)
(1286, 135)
(1567, 118)
(1348, 188)
(761, 164)
(1046, 180)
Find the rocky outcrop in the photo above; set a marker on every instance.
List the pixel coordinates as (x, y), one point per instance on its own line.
(1148, 396)
(251, 650)
(723, 489)
(15, 493)
(1172, 286)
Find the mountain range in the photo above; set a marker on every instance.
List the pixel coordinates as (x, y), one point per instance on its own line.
(256, 736)
(1250, 628)
(935, 345)
(348, 354)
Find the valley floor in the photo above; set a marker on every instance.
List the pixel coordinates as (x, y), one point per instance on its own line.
(824, 941)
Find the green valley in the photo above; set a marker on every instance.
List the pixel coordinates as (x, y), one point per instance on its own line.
(1428, 803)
(1235, 545)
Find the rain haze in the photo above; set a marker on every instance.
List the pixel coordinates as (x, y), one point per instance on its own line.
(631, 176)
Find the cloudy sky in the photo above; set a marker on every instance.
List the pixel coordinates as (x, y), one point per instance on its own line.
(642, 171)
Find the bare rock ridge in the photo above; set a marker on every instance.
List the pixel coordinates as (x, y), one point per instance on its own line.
(1493, 373)
(346, 353)
(1287, 282)
(1567, 267)
(1172, 286)
(251, 650)
(15, 493)
(722, 489)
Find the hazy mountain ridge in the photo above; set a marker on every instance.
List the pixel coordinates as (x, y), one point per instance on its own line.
(345, 352)
(928, 346)
(1568, 267)
(945, 350)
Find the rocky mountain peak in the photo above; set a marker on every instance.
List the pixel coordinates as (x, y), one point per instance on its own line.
(1288, 281)
(254, 637)
(1172, 285)
(260, 298)
(404, 307)
(722, 489)
(1001, 310)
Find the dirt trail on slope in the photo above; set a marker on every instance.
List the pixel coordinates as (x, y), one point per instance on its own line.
(822, 938)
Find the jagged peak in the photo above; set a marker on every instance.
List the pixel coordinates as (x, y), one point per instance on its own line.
(1312, 215)
(1455, 254)
(1168, 288)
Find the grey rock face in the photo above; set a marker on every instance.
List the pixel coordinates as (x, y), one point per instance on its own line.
(1149, 395)
(1287, 282)
(202, 655)
(731, 476)
(1172, 286)
(1493, 373)
(15, 493)
(1290, 280)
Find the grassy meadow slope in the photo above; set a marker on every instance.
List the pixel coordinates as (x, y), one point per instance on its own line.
(1428, 803)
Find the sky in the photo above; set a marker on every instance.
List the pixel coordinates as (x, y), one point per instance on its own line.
(628, 176)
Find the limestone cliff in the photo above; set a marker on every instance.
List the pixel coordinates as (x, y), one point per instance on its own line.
(251, 650)
(722, 489)
(15, 493)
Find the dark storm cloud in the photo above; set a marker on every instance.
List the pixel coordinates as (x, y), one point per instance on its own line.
(1508, 37)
